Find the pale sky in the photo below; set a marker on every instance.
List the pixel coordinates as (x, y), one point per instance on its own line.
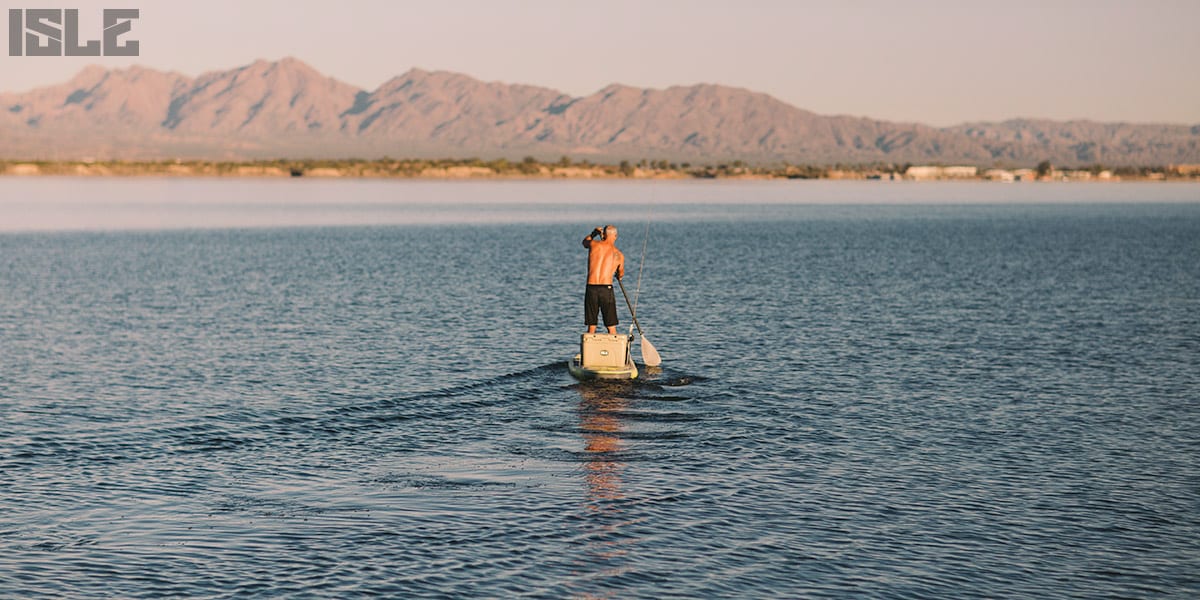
(939, 62)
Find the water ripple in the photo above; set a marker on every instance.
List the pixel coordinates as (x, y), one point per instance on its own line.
(893, 402)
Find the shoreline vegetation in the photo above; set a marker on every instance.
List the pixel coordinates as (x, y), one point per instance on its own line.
(565, 168)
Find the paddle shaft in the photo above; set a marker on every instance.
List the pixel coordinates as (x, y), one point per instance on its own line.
(632, 313)
(649, 353)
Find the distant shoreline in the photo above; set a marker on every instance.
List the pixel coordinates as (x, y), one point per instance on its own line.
(531, 169)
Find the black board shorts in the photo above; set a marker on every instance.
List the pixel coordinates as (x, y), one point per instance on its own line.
(599, 298)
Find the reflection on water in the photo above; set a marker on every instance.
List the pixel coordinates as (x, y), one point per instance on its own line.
(607, 541)
(601, 428)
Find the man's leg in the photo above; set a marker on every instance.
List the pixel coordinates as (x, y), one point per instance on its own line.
(608, 304)
(591, 310)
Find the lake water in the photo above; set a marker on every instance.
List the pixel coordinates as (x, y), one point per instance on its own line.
(352, 388)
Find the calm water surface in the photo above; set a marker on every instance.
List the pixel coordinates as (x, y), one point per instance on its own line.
(344, 389)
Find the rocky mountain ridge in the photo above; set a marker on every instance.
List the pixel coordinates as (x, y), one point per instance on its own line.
(286, 108)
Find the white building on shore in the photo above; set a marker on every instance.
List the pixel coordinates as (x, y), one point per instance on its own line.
(925, 172)
(999, 175)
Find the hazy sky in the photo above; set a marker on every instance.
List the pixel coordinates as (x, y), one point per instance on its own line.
(933, 61)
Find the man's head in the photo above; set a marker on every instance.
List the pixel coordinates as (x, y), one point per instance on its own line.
(610, 233)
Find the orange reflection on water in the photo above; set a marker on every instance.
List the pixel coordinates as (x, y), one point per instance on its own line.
(605, 532)
(601, 428)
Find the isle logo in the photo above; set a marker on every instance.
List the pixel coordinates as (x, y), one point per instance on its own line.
(55, 32)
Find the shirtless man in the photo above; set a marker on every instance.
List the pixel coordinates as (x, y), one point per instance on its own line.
(603, 260)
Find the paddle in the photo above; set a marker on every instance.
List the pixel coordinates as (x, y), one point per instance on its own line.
(649, 355)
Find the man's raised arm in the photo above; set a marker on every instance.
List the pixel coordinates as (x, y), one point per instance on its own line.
(587, 241)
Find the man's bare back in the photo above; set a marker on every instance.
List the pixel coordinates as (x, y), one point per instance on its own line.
(603, 260)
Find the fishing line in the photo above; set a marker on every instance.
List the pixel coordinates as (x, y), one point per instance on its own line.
(645, 238)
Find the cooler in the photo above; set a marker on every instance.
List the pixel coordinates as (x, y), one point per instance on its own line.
(604, 350)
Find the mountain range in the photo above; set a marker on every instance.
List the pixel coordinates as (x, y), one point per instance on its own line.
(287, 109)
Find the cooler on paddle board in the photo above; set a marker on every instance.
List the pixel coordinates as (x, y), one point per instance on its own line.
(603, 356)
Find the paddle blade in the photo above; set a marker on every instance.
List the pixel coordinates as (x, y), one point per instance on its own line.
(650, 356)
